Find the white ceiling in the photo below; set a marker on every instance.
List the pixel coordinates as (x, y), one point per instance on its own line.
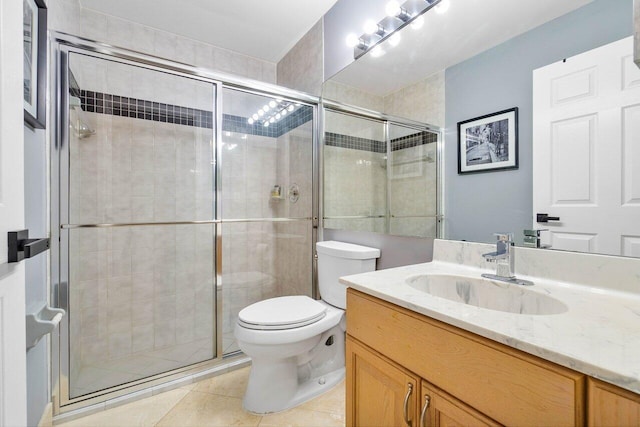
(265, 29)
(466, 29)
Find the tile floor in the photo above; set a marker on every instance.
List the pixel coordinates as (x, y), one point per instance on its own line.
(216, 401)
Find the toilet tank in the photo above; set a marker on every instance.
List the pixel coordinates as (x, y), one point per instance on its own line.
(337, 259)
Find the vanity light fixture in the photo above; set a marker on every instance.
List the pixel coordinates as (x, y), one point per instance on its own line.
(370, 27)
(272, 112)
(398, 16)
(394, 10)
(394, 40)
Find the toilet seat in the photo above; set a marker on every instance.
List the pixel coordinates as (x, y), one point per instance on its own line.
(282, 313)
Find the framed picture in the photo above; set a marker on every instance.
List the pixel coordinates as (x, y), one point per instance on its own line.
(488, 143)
(35, 61)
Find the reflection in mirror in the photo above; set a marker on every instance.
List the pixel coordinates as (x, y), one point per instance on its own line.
(479, 58)
(412, 181)
(379, 176)
(355, 184)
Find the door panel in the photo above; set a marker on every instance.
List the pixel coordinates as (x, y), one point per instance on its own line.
(13, 394)
(572, 149)
(586, 160)
(631, 156)
(378, 390)
(140, 272)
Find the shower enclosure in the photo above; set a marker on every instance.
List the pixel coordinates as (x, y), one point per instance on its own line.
(177, 199)
(380, 173)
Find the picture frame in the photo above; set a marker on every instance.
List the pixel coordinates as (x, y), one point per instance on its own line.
(35, 62)
(488, 143)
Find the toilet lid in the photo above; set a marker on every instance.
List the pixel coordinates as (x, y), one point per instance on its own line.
(282, 313)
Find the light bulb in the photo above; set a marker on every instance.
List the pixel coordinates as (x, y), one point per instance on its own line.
(370, 26)
(394, 40)
(272, 104)
(278, 116)
(272, 120)
(417, 23)
(260, 113)
(442, 7)
(283, 112)
(352, 40)
(255, 117)
(377, 52)
(291, 107)
(266, 124)
(393, 9)
(250, 121)
(265, 108)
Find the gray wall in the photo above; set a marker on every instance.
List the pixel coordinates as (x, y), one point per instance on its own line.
(35, 201)
(479, 204)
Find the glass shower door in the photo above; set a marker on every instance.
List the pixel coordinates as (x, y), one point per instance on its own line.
(355, 173)
(138, 238)
(412, 181)
(266, 190)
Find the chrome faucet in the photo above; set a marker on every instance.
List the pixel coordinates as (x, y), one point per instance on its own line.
(505, 260)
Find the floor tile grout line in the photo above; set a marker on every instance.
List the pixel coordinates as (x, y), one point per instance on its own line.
(173, 407)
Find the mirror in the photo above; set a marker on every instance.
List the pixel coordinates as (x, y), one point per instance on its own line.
(379, 176)
(478, 58)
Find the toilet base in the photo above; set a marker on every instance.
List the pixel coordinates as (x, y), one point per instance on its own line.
(259, 403)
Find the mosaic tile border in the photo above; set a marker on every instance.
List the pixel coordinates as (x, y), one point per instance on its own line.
(364, 144)
(104, 103)
(354, 142)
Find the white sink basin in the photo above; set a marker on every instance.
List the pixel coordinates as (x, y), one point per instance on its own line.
(485, 293)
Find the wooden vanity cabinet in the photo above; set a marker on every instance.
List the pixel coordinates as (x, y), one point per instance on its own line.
(382, 393)
(385, 394)
(440, 409)
(470, 380)
(611, 406)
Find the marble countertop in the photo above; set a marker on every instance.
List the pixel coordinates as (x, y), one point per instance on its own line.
(598, 335)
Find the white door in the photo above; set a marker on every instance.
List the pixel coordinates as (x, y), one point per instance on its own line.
(13, 393)
(586, 151)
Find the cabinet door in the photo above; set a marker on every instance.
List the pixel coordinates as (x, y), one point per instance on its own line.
(612, 406)
(379, 393)
(439, 409)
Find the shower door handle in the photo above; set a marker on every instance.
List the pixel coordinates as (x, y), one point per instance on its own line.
(21, 246)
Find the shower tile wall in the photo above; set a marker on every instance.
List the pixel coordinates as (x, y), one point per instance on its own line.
(69, 17)
(349, 95)
(141, 297)
(354, 185)
(354, 179)
(422, 101)
(248, 167)
(294, 240)
(413, 171)
(262, 259)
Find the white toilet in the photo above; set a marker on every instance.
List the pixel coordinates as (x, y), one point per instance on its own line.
(296, 343)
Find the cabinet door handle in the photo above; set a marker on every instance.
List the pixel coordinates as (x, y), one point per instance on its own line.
(406, 404)
(427, 401)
